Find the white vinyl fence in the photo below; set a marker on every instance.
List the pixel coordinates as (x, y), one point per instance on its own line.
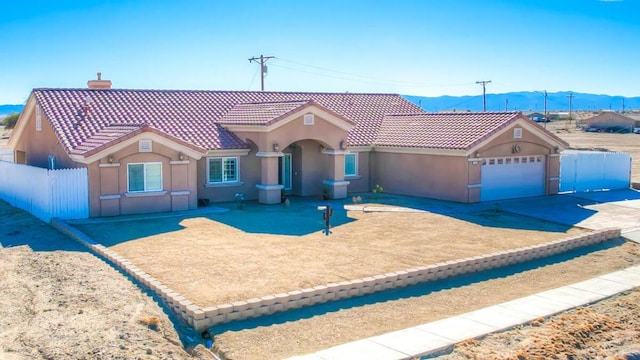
(6, 155)
(45, 193)
(582, 171)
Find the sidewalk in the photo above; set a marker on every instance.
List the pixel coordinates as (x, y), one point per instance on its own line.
(439, 336)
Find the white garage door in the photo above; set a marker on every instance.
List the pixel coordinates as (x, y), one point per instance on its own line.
(512, 177)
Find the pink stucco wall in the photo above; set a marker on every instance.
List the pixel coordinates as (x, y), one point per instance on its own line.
(250, 172)
(108, 187)
(361, 183)
(458, 177)
(433, 176)
(38, 145)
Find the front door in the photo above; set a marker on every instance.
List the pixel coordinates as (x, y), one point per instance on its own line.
(284, 167)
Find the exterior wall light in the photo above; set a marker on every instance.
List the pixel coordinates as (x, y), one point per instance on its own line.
(276, 147)
(181, 156)
(110, 159)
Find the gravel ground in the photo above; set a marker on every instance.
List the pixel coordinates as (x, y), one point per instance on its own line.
(57, 301)
(307, 332)
(260, 250)
(609, 329)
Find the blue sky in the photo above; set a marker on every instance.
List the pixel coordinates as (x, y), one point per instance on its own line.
(416, 47)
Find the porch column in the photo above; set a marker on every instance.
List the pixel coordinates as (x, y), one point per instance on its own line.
(335, 183)
(269, 191)
(553, 173)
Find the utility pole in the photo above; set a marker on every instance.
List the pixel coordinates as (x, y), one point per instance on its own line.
(570, 96)
(623, 105)
(484, 93)
(506, 104)
(546, 117)
(263, 67)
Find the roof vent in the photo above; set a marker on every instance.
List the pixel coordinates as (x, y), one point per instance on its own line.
(99, 84)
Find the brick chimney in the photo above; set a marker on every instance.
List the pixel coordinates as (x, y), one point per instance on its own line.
(99, 84)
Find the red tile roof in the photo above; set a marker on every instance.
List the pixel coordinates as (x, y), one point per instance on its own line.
(457, 131)
(267, 113)
(87, 119)
(264, 113)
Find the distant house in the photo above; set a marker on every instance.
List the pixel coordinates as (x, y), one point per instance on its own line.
(534, 116)
(610, 121)
(164, 150)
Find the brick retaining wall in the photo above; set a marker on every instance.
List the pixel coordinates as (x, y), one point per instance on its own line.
(202, 318)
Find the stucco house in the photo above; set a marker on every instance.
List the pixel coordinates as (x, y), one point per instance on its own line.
(610, 121)
(166, 150)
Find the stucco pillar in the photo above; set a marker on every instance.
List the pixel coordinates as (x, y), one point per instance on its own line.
(474, 182)
(269, 191)
(109, 196)
(181, 198)
(553, 174)
(335, 184)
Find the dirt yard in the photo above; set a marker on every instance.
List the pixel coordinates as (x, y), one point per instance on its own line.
(310, 332)
(260, 250)
(58, 301)
(364, 243)
(607, 330)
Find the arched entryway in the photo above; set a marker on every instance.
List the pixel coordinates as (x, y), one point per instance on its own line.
(305, 167)
(300, 146)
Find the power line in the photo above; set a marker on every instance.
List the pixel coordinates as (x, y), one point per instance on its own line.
(263, 67)
(570, 96)
(253, 78)
(484, 93)
(359, 78)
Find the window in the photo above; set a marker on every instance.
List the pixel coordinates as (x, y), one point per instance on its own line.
(222, 170)
(144, 177)
(145, 146)
(308, 119)
(38, 118)
(517, 133)
(350, 164)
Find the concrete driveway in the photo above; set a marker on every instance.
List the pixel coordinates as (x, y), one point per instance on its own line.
(593, 210)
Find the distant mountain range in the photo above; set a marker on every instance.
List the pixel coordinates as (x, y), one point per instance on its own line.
(526, 101)
(521, 101)
(8, 109)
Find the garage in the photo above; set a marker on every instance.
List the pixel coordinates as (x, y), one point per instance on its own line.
(512, 177)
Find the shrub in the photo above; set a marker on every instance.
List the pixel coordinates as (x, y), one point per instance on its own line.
(10, 121)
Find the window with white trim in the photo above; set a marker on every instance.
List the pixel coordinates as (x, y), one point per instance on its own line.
(517, 133)
(308, 119)
(350, 164)
(144, 177)
(145, 146)
(38, 118)
(222, 170)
